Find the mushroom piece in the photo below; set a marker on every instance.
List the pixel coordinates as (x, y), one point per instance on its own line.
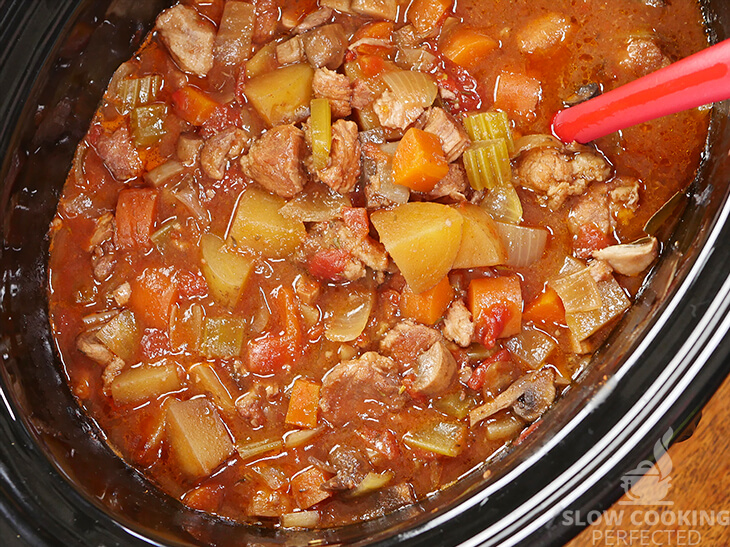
(630, 258)
(530, 396)
(435, 371)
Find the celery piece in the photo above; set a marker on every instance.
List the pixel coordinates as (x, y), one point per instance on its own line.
(136, 92)
(503, 203)
(320, 125)
(504, 428)
(445, 438)
(121, 334)
(484, 126)
(372, 482)
(222, 337)
(249, 450)
(161, 237)
(487, 164)
(148, 123)
(456, 404)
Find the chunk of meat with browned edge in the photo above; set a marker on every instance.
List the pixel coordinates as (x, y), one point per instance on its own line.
(349, 465)
(451, 133)
(217, 150)
(290, 51)
(119, 154)
(452, 186)
(407, 340)
(560, 172)
(189, 37)
(394, 112)
(458, 324)
(250, 406)
(275, 161)
(591, 208)
(334, 87)
(343, 167)
(630, 258)
(267, 19)
(368, 387)
(362, 94)
(314, 19)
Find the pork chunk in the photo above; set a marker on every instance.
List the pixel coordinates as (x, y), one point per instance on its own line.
(559, 173)
(407, 340)
(452, 135)
(189, 37)
(119, 154)
(366, 387)
(453, 185)
(591, 208)
(343, 169)
(394, 112)
(458, 325)
(334, 87)
(217, 150)
(314, 19)
(275, 161)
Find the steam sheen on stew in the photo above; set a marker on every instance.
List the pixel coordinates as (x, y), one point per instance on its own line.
(317, 259)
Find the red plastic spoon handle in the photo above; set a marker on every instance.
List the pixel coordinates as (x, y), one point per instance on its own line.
(699, 79)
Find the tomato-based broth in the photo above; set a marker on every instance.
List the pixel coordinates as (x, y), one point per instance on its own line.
(315, 261)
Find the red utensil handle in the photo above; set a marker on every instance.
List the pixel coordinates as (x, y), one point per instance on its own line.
(699, 79)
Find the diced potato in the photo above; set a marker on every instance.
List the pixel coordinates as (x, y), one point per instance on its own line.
(197, 436)
(144, 383)
(226, 271)
(380, 9)
(258, 225)
(207, 380)
(282, 95)
(301, 519)
(222, 337)
(423, 239)
(263, 61)
(442, 437)
(481, 244)
(121, 334)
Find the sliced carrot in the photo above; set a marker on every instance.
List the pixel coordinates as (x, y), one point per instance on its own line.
(546, 308)
(419, 161)
(306, 487)
(429, 306)
(379, 30)
(467, 48)
(496, 306)
(425, 15)
(135, 217)
(193, 105)
(153, 294)
(517, 94)
(303, 404)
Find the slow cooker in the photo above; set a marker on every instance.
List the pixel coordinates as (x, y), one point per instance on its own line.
(61, 485)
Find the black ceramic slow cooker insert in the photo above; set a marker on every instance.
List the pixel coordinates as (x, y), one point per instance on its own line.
(61, 485)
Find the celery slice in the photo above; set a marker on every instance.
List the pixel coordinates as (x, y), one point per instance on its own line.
(445, 438)
(136, 92)
(250, 450)
(489, 125)
(456, 404)
(148, 123)
(222, 337)
(487, 164)
(320, 125)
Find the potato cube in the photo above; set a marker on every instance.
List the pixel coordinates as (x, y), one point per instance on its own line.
(481, 244)
(282, 95)
(144, 383)
(226, 271)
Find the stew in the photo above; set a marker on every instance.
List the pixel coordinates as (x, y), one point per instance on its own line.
(315, 260)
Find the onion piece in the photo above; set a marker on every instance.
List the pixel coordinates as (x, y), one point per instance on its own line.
(531, 347)
(300, 519)
(316, 203)
(412, 87)
(504, 428)
(346, 320)
(524, 245)
(164, 173)
(186, 192)
(614, 303)
(300, 437)
(528, 142)
(503, 204)
(578, 291)
(372, 482)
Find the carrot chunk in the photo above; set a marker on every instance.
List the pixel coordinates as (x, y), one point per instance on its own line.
(192, 105)
(468, 48)
(306, 487)
(496, 305)
(419, 161)
(517, 94)
(546, 308)
(303, 404)
(429, 306)
(135, 217)
(153, 294)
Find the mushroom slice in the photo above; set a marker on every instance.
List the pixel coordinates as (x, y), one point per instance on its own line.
(630, 258)
(529, 396)
(436, 370)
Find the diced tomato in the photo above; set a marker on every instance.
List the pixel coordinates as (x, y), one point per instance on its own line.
(589, 239)
(480, 374)
(153, 294)
(491, 324)
(155, 343)
(371, 66)
(205, 498)
(267, 354)
(329, 264)
(376, 30)
(457, 79)
(191, 284)
(383, 442)
(224, 116)
(356, 220)
(135, 217)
